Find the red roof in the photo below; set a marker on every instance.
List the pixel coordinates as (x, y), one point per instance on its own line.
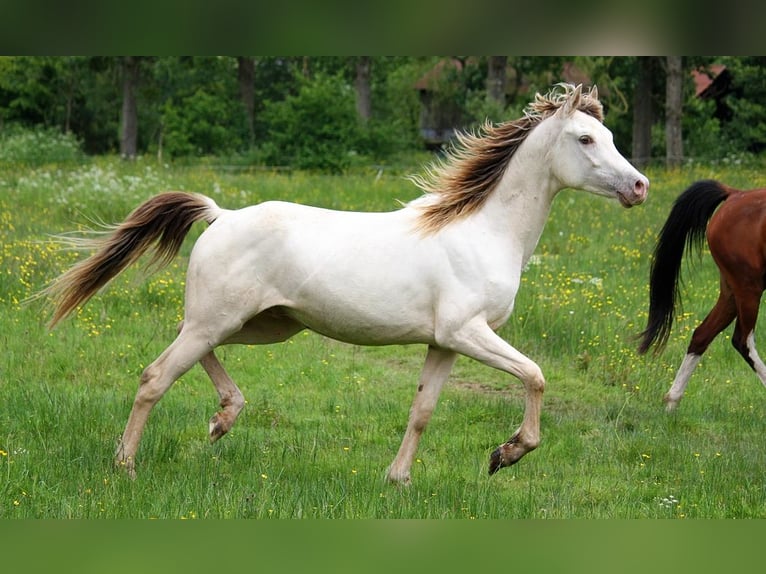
(702, 78)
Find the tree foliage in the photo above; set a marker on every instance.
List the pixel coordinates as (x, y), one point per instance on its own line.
(304, 111)
(315, 128)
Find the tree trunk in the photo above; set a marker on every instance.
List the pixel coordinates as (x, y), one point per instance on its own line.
(246, 78)
(642, 113)
(496, 80)
(363, 91)
(674, 150)
(69, 103)
(129, 135)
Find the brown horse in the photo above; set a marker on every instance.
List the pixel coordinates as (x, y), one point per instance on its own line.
(736, 234)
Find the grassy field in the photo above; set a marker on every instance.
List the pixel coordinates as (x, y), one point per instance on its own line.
(324, 419)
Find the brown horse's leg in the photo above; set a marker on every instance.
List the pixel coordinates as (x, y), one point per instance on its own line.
(748, 303)
(720, 317)
(435, 372)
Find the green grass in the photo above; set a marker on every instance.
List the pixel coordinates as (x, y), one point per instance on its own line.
(324, 419)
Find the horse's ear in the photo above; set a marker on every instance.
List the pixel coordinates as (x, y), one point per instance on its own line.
(594, 92)
(572, 102)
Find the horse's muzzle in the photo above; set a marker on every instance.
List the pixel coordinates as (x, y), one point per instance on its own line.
(637, 195)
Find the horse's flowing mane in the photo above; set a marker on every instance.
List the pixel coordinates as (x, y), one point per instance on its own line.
(460, 184)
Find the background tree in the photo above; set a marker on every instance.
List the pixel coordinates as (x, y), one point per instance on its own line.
(198, 107)
(674, 151)
(129, 122)
(363, 88)
(315, 129)
(742, 120)
(643, 119)
(234, 107)
(246, 79)
(497, 80)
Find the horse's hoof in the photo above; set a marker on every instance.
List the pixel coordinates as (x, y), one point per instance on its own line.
(126, 466)
(398, 478)
(216, 428)
(670, 404)
(402, 483)
(495, 462)
(507, 454)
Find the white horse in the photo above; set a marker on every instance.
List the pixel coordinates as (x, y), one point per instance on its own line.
(442, 271)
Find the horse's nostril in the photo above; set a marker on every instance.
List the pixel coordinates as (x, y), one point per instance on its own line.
(641, 186)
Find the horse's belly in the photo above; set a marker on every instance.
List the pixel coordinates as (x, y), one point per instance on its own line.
(365, 327)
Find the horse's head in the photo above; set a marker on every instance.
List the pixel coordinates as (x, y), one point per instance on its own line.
(583, 155)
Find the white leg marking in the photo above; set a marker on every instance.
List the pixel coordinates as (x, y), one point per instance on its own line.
(676, 392)
(760, 368)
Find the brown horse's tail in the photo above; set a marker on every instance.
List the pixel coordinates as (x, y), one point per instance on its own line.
(685, 227)
(161, 222)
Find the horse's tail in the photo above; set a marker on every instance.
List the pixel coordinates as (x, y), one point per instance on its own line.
(685, 227)
(161, 222)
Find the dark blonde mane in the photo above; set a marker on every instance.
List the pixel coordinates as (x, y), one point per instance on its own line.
(460, 184)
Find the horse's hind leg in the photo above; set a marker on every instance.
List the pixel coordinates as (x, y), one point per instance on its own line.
(270, 326)
(748, 303)
(232, 400)
(188, 348)
(720, 317)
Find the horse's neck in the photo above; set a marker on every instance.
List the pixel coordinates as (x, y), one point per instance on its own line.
(519, 207)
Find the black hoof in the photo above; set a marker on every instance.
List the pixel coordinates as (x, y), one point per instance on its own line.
(495, 462)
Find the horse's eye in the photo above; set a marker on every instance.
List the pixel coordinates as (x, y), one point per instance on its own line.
(585, 140)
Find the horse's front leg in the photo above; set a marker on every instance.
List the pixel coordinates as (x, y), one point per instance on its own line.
(478, 341)
(435, 372)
